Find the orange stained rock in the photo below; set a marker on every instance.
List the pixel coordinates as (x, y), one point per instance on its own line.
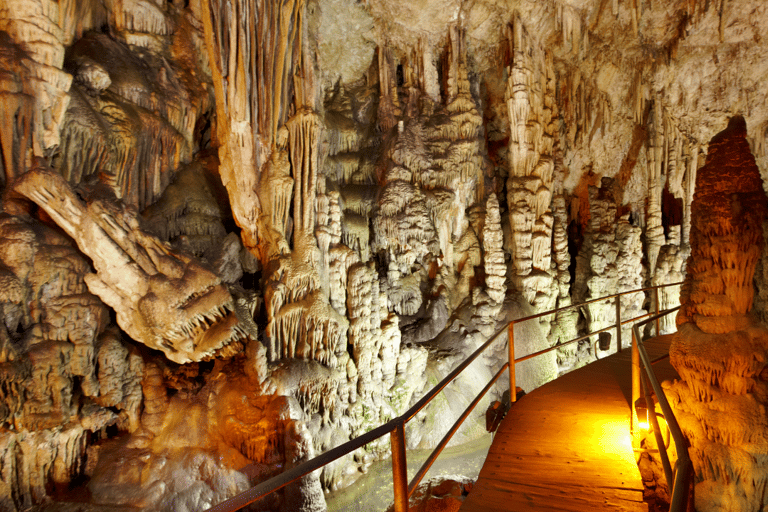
(728, 209)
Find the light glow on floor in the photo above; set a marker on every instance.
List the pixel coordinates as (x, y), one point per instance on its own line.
(614, 439)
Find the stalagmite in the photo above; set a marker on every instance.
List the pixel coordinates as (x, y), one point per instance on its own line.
(495, 268)
(654, 231)
(670, 268)
(630, 271)
(720, 350)
(728, 207)
(564, 324)
(596, 271)
(529, 97)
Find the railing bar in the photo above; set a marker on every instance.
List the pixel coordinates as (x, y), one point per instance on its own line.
(680, 485)
(624, 322)
(573, 306)
(439, 448)
(410, 413)
(580, 338)
(651, 408)
(607, 297)
(399, 468)
(659, 359)
(293, 474)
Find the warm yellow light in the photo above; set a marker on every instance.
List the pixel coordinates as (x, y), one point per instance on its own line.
(643, 425)
(613, 439)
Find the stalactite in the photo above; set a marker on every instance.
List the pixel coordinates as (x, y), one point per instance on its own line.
(246, 81)
(530, 103)
(689, 188)
(35, 91)
(389, 105)
(305, 130)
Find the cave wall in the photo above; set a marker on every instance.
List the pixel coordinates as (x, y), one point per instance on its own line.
(287, 220)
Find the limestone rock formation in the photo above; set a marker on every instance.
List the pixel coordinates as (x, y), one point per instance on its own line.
(65, 379)
(339, 200)
(720, 350)
(165, 300)
(728, 209)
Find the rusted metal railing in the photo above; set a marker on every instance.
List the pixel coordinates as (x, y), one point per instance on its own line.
(396, 427)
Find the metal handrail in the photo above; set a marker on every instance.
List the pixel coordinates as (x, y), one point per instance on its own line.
(680, 480)
(396, 426)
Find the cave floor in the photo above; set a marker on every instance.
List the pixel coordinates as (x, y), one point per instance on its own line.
(567, 445)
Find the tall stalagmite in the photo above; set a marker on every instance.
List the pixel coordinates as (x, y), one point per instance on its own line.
(720, 349)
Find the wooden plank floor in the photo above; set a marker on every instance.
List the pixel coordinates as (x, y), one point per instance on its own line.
(567, 446)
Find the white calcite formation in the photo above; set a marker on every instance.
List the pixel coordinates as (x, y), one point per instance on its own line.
(670, 268)
(564, 324)
(64, 378)
(531, 109)
(596, 264)
(629, 268)
(165, 300)
(339, 201)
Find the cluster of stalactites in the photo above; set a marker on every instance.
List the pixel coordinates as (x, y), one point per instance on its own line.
(436, 166)
(35, 88)
(235, 32)
(531, 107)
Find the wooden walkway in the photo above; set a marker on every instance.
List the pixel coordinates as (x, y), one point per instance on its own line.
(567, 446)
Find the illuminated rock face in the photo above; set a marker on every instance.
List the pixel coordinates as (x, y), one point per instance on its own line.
(165, 300)
(64, 377)
(285, 220)
(720, 350)
(726, 235)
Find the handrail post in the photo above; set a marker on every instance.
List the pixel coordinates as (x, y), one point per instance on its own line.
(512, 377)
(399, 467)
(618, 323)
(656, 294)
(635, 381)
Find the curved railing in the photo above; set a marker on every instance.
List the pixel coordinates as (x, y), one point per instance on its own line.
(396, 427)
(678, 481)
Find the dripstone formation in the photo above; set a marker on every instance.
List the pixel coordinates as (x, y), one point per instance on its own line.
(721, 349)
(237, 233)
